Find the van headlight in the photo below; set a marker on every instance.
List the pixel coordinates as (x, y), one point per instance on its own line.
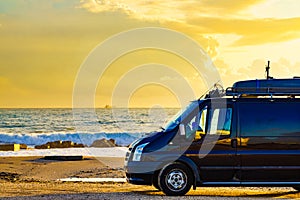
(138, 152)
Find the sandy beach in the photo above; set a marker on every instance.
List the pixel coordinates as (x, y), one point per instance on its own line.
(24, 169)
(36, 178)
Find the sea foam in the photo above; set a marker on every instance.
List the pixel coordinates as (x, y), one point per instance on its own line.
(122, 139)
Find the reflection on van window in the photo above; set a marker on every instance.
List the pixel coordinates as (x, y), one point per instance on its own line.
(200, 126)
(181, 115)
(219, 121)
(192, 125)
(270, 119)
(202, 122)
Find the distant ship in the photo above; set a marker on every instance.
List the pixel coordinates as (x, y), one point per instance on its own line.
(107, 106)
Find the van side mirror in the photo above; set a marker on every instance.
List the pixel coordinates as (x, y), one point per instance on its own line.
(181, 129)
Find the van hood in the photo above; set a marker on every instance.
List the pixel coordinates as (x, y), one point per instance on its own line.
(156, 140)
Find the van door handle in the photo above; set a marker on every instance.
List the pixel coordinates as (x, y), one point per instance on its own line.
(234, 143)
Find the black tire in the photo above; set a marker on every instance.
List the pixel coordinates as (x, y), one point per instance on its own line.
(175, 179)
(155, 182)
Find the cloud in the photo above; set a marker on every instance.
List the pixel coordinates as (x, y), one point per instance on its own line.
(282, 68)
(222, 8)
(96, 6)
(206, 17)
(160, 10)
(164, 10)
(251, 31)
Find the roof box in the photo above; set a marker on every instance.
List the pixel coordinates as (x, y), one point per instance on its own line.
(265, 87)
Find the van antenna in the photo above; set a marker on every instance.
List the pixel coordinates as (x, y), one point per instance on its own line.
(268, 71)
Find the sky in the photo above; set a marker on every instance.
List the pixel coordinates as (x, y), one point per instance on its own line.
(44, 43)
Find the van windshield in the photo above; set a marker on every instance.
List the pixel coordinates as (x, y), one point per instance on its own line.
(182, 114)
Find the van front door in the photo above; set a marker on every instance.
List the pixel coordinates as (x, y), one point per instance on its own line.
(214, 146)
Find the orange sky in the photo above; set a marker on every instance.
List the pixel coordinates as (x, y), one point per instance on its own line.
(44, 43)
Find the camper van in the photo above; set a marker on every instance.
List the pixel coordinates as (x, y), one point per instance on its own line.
(246, 135)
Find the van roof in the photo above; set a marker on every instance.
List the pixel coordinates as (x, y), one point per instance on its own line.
(265, 87)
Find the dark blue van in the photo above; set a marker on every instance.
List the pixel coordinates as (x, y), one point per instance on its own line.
(248, 135)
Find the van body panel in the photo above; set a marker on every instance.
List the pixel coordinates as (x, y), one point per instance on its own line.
(217, 165)
(243, 140)
(271, 134)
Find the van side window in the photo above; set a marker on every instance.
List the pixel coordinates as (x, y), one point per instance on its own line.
(219, 121)
(192, 125)
(269, 119)
(200, 130)
(195, 124)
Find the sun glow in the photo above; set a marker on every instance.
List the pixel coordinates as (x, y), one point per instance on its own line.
(43, 43)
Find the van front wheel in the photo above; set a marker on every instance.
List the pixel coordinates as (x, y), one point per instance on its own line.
(175, 179)
(155, 182)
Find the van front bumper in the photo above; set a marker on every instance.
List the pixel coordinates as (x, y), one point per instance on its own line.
(139, 179)
(141, 173)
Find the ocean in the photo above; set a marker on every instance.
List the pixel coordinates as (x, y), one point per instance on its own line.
(39, 126)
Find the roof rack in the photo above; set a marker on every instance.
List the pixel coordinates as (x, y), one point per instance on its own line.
(265, 87)
(214, 92)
